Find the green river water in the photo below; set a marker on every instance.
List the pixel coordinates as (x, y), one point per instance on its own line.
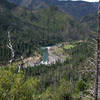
(44, 51)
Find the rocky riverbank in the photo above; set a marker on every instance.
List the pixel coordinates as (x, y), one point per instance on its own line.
(32, 61)
(55, 54)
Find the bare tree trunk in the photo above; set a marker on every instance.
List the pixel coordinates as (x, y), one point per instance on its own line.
(21, 65)
(10, 47)
(97, 56)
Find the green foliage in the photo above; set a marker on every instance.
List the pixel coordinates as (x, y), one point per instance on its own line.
(29, 31)
(81, 85)
(33, 29)
(91, 22)
(64, 92)
(76, 9)
(15, 87)
(60, 81)
(69, 47)
(6, 81)
(47, 94)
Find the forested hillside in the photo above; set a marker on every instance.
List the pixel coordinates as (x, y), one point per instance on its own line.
(30, 4)
(32, 29)
(71, 80)
(48, 50)
(77, 9)
(91, 21)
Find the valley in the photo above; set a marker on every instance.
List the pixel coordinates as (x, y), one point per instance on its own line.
(36, 29)
(48, 56)
(48, 50)
(52, 54)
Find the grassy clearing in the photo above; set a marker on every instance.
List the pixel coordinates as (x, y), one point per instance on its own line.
(69, 46)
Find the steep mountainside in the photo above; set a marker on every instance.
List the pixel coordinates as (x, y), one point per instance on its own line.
(31, 29)
(91, 21)
(30, 4)
(77, 9)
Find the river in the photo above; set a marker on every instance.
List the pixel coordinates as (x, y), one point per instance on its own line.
(49, 56)
(44, 52)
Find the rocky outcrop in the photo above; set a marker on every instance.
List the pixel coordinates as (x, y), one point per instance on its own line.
(55, 54)
(32, 61)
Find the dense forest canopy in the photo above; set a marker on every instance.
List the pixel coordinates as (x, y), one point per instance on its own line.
(71, 80)
(77, 9)
(68, 28)
(32, 29)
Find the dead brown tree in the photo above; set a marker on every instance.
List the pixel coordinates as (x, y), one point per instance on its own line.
(97, 56)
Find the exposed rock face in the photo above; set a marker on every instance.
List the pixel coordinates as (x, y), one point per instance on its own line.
(55, 55)
(32, 61)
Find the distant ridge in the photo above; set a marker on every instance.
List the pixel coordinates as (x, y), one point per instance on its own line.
(78, 9)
